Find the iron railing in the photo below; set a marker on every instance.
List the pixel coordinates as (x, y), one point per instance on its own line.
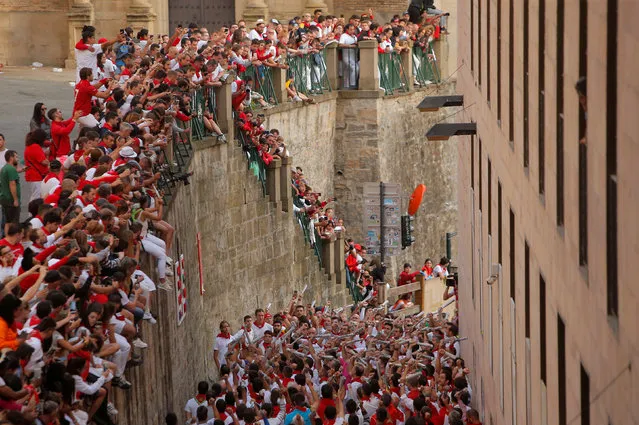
(262, 77)
(254, 159)
(425, 66)
(392, 77)
(309, 72)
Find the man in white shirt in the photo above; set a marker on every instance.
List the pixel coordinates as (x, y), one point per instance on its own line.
(245, 335)
(348, 44)
(199, 400)
(88, 58)
(257, 32)
(260, 326)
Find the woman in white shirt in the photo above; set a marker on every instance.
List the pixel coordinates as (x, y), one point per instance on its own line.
(77, 367)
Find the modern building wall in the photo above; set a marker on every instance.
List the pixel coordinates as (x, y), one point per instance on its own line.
(568, 359)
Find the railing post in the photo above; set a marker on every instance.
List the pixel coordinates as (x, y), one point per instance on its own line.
(421, 296)
(328, 257)
(279, 85)
(225, 110)
(381, 293)
(368, 65)
(332, 66)
(286, 194)
(273, 180)
(340, 267)
(406, 56)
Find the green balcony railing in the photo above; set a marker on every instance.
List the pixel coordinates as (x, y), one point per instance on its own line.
(262, 77)
(425, 66)
(309, 73)
(254, 160)
(391, 73)
(352, 287)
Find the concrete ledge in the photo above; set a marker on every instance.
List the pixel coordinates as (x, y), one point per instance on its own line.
(287, 106)
(361, 94)
(207, 142)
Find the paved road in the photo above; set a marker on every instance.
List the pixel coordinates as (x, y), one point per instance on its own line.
(20, 89)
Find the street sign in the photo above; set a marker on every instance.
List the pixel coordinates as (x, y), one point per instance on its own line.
(388, 218)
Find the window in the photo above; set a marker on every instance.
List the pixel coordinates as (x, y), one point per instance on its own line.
(479, 40)
(526, 94)
(481, 186)
(511, 72)
(527, 286)
(583, 152)
(488, 57)
(611, 162)
(561, 369)
(472, 36)
(499, 252)
(560, 112)
(542, 103)
(585, 396)
(499, 6)
(542, 327)
(512, 254)
(490, 198)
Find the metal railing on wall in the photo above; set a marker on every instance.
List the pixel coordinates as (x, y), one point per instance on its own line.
(392, 77)
(262, 77)
(425, 66)
(309, 72)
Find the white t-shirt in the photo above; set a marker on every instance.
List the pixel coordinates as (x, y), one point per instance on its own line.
(439, 269)
(2, 161)
(254, 35)
(193, 404)
(385, 44)
(258, 332)
(221, 345)
(347, 39)
(87, 59)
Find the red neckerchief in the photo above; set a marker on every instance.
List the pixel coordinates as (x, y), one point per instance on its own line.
(413, 394)
(49, 177)
(357, 379)
(200, 398)
(286, 381)
(224, 335)
(255, 396)
(259, 326)
(77, 155)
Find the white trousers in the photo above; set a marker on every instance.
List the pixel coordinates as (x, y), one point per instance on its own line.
(157, 248)
(122, 355)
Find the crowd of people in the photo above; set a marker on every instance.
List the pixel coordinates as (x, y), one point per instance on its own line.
(358, 364)
(72, 294)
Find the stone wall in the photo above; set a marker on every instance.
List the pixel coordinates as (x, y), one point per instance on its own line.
(407, 157)
(384, 139)
(39, 30)
(253, 254)
(309, 132)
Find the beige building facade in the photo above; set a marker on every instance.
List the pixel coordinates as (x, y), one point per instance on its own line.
(45, 31)
(550, 223)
